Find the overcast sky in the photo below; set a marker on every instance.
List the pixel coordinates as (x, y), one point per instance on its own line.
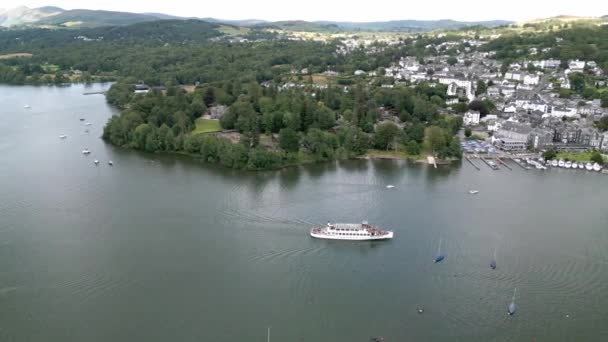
(341, 10)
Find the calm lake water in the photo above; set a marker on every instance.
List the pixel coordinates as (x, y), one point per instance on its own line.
(163, 248)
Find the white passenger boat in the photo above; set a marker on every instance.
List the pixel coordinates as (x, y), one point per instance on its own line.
(350, 231)
(390, 186)
(589, 167)
(568, 164)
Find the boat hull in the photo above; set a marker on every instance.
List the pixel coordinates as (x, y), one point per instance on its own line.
(352, 238)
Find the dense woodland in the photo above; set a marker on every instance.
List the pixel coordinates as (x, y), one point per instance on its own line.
(584, 43)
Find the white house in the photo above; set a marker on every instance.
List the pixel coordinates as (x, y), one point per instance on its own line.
(471, 118)
(467, 85)
(576, 65)
(531, 79)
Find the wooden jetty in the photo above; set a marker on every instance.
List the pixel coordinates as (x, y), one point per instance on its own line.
(470, 161)
(492, 166)
(504, 164)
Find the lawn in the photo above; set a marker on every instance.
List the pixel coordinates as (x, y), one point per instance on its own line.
(580, 156)
(16, 55)
(206, 126)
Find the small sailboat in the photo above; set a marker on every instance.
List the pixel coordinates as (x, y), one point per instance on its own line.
(568, 164)
(63, 136)
(512, 307)
(581, 165)
(111, 163)
(493, 262)
(420, 310)
(574, 165)
(439, 257)
(390, 186)
(473, 192)
(561, 163)
(96, 162)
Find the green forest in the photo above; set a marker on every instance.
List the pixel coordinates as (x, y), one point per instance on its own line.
(276, 126)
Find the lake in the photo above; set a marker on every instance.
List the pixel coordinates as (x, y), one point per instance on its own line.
(165, 248)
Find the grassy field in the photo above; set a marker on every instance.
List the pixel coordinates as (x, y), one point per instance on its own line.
(16, 55)
(233, 31)
(206, 126)
(581, 156)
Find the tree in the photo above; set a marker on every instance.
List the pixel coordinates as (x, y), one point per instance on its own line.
(596, 157)
(385, 134)
(479, 106)
(289, 140)
(434, 138)
(209, 96)
(550, 153)
(481, 87)
(467, 132)
(577, 81)
(460, 107)
(604, 99)
(452, 60)
(415, 132)
(602, 124)
(412, 148)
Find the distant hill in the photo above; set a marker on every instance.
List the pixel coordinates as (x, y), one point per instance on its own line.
(23, 15)
(152, 33)
(563, 19)
(90, 18)
(415, 25)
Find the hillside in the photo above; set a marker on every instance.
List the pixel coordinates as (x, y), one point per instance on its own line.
(90, 18)
(415, 25)
(145, 33)
(23, 15)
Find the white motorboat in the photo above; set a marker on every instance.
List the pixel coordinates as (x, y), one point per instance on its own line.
(111, 163)
(554, 163)
(589, 167)
(63, 136)
(27, 107)
(568, 164)
(96, 162)
(597, 167)
(390, 186)
(574, 165)
(350, 231)
(86, 151)
(88, 124)
(561, 163)
(473, 192)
